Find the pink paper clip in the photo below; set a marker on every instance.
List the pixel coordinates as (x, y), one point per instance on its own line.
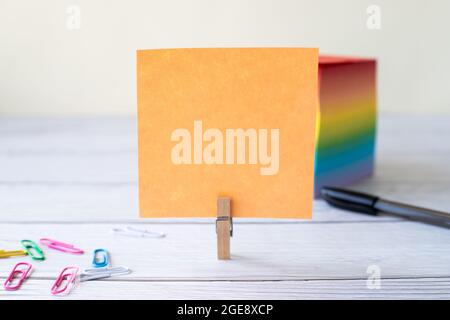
(68, 274)
(61, 246)
(17, 272)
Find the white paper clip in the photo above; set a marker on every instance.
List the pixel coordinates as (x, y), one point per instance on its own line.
(137, 232)
(105, 272)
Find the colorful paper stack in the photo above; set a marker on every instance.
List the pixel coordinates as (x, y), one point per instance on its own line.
(345, 147)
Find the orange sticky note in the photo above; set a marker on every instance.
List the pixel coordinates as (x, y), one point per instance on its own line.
(236, 122)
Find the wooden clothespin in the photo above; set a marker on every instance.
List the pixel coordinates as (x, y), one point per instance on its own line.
(224, 227)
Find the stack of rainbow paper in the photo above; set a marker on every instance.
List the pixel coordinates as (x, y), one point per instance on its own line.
(345, 146)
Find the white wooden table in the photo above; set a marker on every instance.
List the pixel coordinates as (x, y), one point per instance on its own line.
(75, 179)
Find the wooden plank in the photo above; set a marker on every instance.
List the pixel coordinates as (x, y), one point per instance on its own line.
(66, 171)
(426, 194)
(70, 169)
(103, 167)
(76, 169)
(396, 134)
(413, 135)
(56, 126)
(260, 251)
(106, 202)
(423, 288)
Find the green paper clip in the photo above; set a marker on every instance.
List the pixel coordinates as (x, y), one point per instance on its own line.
(33, 250)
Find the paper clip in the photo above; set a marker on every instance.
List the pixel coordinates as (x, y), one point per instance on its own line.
(101, 258)
(14, 253)
(68, 274)
(32, 249)
(21, 273)
(137, 232)
(105, 272)
(61, 246)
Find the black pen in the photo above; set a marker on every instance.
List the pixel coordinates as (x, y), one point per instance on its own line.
(369, 204)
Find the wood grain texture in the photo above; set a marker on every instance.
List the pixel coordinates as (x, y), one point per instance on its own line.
(86, 168)
(75, 179)
(260, 251)
(424, 288)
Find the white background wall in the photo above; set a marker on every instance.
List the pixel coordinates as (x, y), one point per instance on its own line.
(47, 68)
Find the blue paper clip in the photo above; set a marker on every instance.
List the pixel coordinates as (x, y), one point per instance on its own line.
(101, 258)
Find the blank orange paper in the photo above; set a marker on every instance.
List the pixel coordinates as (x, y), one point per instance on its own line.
(227, 122)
